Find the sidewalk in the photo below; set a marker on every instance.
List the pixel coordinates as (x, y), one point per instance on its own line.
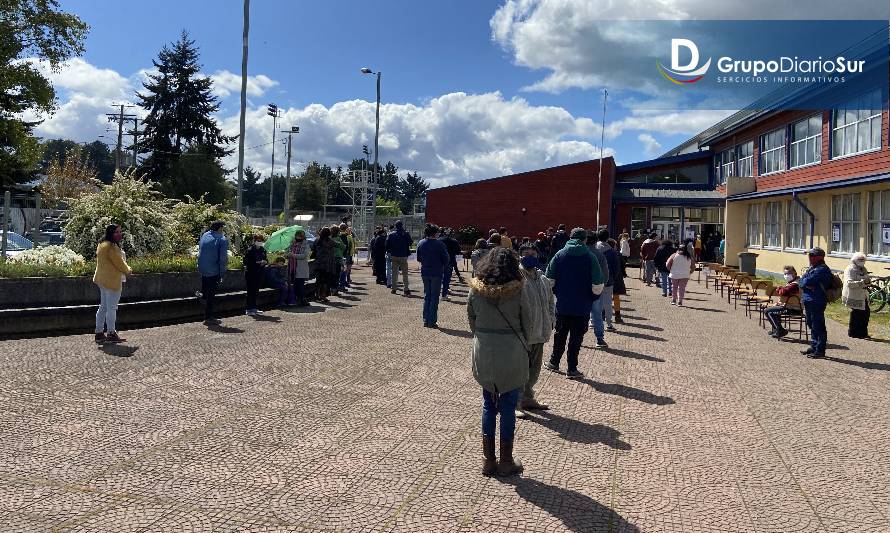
(354, 417)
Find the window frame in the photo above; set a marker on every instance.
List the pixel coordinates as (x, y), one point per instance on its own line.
(783, 147)
(877, 219)
(834, 128)
(854, 223)
(748, 225)
(791, 224)
(750, 158)
(792, 143)
(772, 220)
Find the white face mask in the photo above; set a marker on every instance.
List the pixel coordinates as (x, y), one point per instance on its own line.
(789, 277)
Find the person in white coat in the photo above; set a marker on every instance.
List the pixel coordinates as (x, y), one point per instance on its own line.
(680, 264)
(538, 292)
(624, 250)
(855, 296)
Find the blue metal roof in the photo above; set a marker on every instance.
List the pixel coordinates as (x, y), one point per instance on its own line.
(663, 161)
(836, 184)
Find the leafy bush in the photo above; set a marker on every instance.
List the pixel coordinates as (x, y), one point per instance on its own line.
(192, 218)
(134, 204)
(468, 235)
(57, 256)
(140, 265)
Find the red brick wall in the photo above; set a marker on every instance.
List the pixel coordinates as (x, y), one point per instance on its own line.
(828, 170)
(551, 196)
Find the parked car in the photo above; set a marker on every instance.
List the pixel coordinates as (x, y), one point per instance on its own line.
(50, 233)
(16, 244)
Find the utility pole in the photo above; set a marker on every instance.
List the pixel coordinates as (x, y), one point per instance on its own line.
(244, 36)
(290, 138)
(275, 113)
(119, 118)
(599, 181)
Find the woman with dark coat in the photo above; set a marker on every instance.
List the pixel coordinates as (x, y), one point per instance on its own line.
(378, 256)
(619, 289)
(664, 252)
(325, 264)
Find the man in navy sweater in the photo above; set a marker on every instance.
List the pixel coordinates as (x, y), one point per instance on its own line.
(813, 284)
(577, 280)
(434, 259)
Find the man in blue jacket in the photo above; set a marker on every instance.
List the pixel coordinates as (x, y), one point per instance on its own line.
(398, 244)
(213, 260)
(434, 260)
(577, 280)
(813, 286)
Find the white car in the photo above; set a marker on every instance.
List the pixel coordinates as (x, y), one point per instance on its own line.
(16, 244)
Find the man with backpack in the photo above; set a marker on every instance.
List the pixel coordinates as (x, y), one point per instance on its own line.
(818, 288)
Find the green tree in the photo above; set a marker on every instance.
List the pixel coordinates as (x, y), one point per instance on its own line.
(180, 105)
(100, 157)
(309, 189)
(196, 173)
(389, 182)
(95, 153)
(252, 195)
(56, 150)
(30, 28)
(388, 208)
(411, 189)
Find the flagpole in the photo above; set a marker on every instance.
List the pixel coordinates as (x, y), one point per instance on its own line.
(599, 181)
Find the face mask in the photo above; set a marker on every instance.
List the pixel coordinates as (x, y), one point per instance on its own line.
(299, 239)
(529, 262)
(118, 237)
(789, 277)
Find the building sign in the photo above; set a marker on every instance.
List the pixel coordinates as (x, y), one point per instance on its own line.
(885, 233)
(835, 233)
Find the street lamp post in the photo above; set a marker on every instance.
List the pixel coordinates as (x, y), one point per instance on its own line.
(244, 36)
(275, 113)
(366, 70)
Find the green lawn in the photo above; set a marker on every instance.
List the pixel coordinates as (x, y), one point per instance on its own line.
(878, 326)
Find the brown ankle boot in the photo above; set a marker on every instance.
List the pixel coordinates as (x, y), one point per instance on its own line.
(508, 465)
(490, 463)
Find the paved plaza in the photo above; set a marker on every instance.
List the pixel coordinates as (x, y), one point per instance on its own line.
(352, 417)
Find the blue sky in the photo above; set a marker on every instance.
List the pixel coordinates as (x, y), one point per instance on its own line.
(471, 89)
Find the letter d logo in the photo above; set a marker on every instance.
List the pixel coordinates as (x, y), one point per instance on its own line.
(675, 55)
(688, 73)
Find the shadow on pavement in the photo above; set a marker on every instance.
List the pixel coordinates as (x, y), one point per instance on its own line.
(632, 355)
(702, 309)
(861, 364)
(630, 393)
(305, 309)
(641, 336)
(806, 342)
(119, 350)
(349, 298)
(576, 511)
(580, 432)
(632, 317)
(645, 326)
(338, 305)
(219, 328)
(457, 332)
(266, 318)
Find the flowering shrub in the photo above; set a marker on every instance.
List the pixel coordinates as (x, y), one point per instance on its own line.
(192, 218)
(59, 256)
(142, 212)
(468, 235)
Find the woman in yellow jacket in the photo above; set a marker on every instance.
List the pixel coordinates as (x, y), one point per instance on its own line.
(111, 269)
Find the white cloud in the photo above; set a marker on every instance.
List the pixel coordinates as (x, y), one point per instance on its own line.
(584, 44)
(226, 83)
(650, 146)
(670, 123)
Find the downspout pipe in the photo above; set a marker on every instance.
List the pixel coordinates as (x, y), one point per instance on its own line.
(803, 206)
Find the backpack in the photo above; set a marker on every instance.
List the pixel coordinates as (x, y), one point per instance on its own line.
(833, 291)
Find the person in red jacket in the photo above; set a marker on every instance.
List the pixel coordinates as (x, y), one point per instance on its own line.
(774, 314)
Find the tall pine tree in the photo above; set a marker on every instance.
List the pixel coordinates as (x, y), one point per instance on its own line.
(180, 105)
(412, 189)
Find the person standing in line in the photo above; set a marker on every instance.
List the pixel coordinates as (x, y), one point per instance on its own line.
(388, 257)
(339, 254)
(500, 321)
(598, 306)
(434, 264)
(378, 256)
(619, 289)
(538, 291)
(542, 246)
(721, 250)
(680, 266)
(324, 264)
(479, 252)
(774, 313)
(398, 244)
(578, 281)
(255, 262)
(453, 249)
(494, 240)
(814, 285)
(613, 261)
(345, 280)
(855, 296)
(624, 250)
(647, 255)
(111, 269)
(506, 241)
(213, 260)
(664, 252)
(697, 248)
(560, 238)
(298, 268)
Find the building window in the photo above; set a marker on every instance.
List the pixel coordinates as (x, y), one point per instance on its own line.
(856, 126)
(878, 222)
(806, 141)
(845, 219)
(772, 224)
(725, 165)
(745, 156)
(753, 237)
(637, 222)
(772, 151)
(796, 233)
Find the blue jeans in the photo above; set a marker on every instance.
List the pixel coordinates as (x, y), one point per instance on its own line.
(816, 322)
(665, 283)
(431, 287)
(446, 280)
(596, 317)
(106, 316)
(505, 404)
(388, 270)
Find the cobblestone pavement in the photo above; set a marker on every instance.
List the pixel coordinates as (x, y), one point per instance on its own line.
(352, 417)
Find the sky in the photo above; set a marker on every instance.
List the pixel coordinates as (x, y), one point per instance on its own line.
(471, 89)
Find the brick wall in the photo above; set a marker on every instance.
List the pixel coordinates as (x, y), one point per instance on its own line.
(552, 196)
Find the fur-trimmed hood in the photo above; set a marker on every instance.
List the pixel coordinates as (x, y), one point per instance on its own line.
(496, 292)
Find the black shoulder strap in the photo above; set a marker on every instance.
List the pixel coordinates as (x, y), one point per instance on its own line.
(518, 336)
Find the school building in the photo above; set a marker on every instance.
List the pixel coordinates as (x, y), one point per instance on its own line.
(775, 183)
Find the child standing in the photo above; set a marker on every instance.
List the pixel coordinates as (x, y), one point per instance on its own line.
(276, 279)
